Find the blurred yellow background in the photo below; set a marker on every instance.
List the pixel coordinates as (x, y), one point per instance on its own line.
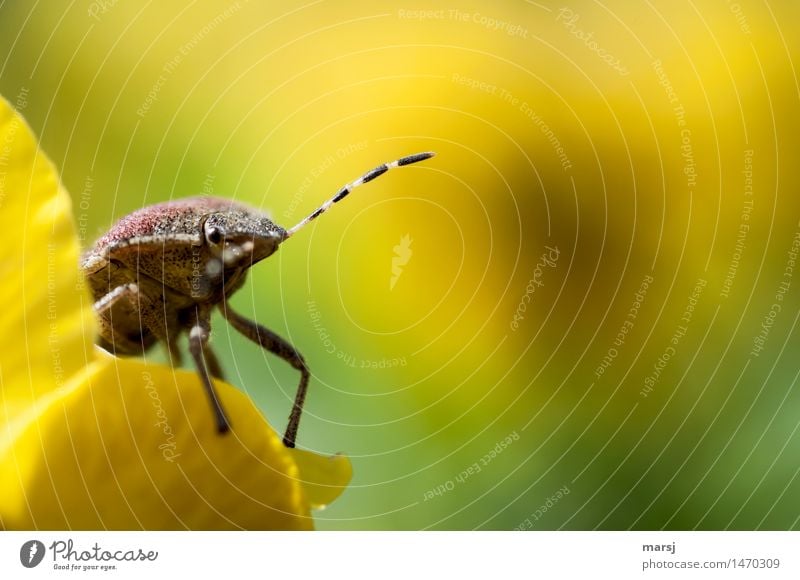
(581, 314)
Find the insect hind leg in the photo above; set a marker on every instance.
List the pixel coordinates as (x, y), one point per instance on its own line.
(121, 329)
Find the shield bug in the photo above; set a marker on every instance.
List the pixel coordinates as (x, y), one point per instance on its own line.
(160, 271)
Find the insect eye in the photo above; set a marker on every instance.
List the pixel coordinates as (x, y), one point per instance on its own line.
(214, 235)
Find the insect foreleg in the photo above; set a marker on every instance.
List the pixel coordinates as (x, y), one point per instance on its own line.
(278, 346)
(199, 333)
(212, 362)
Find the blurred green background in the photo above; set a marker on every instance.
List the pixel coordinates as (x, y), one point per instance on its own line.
(593, 325)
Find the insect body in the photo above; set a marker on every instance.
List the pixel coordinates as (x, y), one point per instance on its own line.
(160, 271)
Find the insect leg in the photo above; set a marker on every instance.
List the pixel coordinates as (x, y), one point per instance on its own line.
(111, 339)
(213, 363)
(199, 332)
(174, 352)
(278, 346)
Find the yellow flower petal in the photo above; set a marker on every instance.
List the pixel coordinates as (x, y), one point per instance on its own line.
(90, 441)
(131, 445)
(323, 478)
(45, 320)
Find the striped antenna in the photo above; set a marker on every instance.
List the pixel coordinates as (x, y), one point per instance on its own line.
(368, 176)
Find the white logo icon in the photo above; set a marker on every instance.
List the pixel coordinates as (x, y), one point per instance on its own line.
(402, 254)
